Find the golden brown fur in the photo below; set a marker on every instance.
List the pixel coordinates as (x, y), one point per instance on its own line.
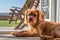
(34, 18)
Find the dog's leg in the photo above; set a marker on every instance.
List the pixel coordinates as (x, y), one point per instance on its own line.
(20, 34)
(48, 37)
(24, 34)
(39, 31)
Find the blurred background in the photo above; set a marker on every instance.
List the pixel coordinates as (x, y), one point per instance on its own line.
(51, 9)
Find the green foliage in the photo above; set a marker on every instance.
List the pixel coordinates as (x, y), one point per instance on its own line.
(5, 23)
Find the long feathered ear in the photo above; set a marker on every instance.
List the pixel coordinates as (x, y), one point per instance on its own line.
(25, 16)
(40, 15)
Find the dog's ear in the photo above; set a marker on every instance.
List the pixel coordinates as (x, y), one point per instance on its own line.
(40, 15)
(25, 16)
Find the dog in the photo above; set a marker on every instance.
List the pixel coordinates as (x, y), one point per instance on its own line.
(31, 32)
(37, 26)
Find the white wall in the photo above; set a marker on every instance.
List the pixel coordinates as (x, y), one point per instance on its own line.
(58, 11)
(53, 10)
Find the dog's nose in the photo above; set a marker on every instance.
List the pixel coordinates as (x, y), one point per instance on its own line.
(30, 19)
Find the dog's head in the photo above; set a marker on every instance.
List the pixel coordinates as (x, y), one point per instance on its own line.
(33, 16)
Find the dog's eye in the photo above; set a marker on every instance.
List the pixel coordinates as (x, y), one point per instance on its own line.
(30, 14)
(34, 15)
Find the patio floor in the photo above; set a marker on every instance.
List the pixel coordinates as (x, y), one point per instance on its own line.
(19, 38)
(5, 34)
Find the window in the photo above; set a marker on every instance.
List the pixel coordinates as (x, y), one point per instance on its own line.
(46, 8)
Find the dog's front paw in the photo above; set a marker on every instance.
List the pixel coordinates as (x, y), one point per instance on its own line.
(14, 34)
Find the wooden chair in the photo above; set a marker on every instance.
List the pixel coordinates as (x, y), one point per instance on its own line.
(13, 12)
(28, 4)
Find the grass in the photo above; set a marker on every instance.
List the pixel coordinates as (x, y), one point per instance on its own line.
(5, 23)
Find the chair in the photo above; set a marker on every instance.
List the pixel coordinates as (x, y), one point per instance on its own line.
(12, 14)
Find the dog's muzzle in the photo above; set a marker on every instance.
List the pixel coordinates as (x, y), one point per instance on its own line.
(30, 18)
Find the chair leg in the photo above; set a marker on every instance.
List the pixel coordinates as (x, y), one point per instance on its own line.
(10, 19)
(18, 25)
(16, 20)
(22, 21)
(22, 26)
